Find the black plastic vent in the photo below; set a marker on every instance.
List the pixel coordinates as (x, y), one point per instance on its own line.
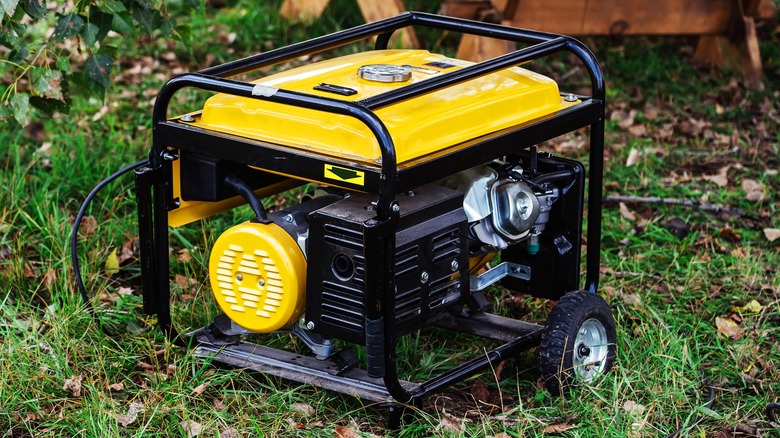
(430, 258)
(406, 260)
(446, 245)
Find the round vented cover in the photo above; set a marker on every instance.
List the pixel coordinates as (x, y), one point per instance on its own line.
(385, 73)
(257, 274)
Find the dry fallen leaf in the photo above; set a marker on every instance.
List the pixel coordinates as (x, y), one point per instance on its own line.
(626, 213)
(184, 255)
(772, 234)
(131, 415)
(184, 282)
(88, 225)
(632, 299)
(305, 409)
(624, 119)
(99, 115)
(45, 149)
(117, 386)
(144, 366)
(49, 278)
(295, 424)
(73, 385)
(125, 253)
(739, 252)
(730, 235)
(450, 423)
(650, 112)
(721, 178)
(345, 432)
(634, 157)
(479, 391)
(199, 389)
(632, 406)
(191, 428)
(558, 428)
(219, 404)
(754, 190)
(499, 368)
(729, 328)
(638, 130)
(229, 432)
(29, 271)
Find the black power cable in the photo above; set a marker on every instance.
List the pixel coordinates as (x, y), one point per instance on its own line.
(770, 411)
(251, 198)
(74, 256)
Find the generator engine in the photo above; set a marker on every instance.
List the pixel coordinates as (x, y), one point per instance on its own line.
(305, 266)
(504, 209)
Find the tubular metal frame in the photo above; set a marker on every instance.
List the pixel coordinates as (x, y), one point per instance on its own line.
(155, 194)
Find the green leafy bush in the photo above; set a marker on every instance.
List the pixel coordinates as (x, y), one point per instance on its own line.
(51, 51)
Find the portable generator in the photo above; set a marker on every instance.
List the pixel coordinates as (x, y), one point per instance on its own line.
(423, 172)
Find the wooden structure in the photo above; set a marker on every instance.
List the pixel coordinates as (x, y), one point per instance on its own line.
(726, 27)
(372, 10)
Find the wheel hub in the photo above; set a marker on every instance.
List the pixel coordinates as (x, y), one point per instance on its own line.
(591, 347)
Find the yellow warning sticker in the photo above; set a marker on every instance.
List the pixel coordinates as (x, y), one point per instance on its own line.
(344, 174)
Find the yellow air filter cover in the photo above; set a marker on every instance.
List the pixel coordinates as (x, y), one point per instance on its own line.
(258, 276)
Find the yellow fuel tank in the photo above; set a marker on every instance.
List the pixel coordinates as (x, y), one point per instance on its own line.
(419, 126)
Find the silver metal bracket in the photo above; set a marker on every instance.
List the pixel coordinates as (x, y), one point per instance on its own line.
(505, 269)
(321, 347)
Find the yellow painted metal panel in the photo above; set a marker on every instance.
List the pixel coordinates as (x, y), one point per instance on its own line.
(419, 126)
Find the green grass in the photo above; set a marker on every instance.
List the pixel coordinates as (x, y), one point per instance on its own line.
(666, 291)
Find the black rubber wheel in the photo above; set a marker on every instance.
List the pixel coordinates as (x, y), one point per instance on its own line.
(578, 341)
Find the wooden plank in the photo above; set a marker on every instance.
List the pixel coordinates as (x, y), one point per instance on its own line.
(636, 17)
(464, 9)
(474, 48)
(476, 9)
(766, 10)
(374, 10)
(738, 47)
(304, 10)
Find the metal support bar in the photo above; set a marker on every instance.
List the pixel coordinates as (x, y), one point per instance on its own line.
(389, 177)
(303, 369)
(488, 325)
(143, 199)
(490, 358)
(467, 73)
(595, 183)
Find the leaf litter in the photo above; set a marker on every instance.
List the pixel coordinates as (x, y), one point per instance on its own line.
(129, 418)
(73, 385)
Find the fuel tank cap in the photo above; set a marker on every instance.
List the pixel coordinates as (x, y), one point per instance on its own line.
(385, 73)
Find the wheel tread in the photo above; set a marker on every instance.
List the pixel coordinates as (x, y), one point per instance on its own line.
(562, 324)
